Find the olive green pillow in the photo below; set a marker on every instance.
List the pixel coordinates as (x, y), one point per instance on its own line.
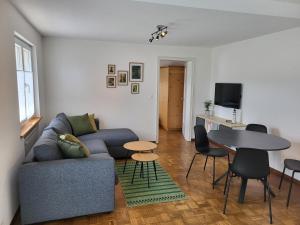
(69, 149)
(81, 125)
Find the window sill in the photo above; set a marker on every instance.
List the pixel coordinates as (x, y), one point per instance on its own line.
(28, 125)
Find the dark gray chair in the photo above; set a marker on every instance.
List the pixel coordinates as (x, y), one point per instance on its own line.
(224, 128)
(202, 147)
(293, 165)
(250, 164)
(257, 127)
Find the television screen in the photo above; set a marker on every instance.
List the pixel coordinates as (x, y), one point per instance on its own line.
(228, 95)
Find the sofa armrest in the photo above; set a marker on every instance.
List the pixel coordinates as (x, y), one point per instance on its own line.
(66, 188)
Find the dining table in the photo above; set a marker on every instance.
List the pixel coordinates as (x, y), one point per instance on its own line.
(247, 139)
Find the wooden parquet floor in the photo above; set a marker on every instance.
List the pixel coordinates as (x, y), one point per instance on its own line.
(204, 205)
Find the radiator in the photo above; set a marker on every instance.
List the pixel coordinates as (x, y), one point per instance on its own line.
(31, 138)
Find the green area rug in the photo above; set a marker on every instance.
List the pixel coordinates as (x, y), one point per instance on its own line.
(162, 190)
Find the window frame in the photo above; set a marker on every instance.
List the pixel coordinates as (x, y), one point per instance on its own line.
(24, 44)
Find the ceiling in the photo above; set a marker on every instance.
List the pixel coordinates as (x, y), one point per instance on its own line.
(133, 21)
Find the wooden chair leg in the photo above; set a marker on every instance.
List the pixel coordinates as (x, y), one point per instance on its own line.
(290, 189)
(190, 166)
(282, 175)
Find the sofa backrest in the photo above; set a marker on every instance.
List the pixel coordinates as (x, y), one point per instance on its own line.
(60, 124)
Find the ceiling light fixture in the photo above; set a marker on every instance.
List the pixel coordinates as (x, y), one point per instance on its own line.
(161, 32)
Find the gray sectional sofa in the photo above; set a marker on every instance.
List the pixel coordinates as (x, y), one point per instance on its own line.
(52, 188)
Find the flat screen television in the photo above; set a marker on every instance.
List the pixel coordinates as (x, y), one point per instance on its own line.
(228, 95)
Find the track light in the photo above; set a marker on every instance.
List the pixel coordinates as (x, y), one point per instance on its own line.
(161, 32)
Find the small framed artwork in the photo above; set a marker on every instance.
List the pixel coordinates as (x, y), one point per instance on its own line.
(122, 78)
(111, 69)
(136, 72)
(135, 88)
(111, 81)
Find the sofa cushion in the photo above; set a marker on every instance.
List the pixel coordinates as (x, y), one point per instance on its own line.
(112, 137)
(46, 147)
(60, 126)
(72, 138)
(95, 145)
(71, 150)
(63, 117)
(81, 125)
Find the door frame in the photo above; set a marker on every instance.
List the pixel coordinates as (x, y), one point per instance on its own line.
(189, 91)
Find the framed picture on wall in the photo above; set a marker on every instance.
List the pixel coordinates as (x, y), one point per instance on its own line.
(111, 69)
(136, 71)
(122, 78)
(111, 81)
(135, 88)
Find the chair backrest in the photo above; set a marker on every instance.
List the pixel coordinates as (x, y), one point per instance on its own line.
(201, 140)
(224, 128)
(257, 127)
(251, 163)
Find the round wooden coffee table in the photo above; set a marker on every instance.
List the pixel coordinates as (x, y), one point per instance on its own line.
(138, 146)
(144, 158)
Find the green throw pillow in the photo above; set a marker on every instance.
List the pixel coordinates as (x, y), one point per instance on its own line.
(81, 125)
(70, 150)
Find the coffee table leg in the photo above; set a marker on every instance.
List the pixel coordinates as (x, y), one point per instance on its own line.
(136, 163)
(142, 170)
(154, 166)
(125, 161)
(148, 175)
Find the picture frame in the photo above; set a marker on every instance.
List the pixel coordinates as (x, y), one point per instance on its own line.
(136, 72)
(111, 69)
(110, 81)
(135, 88)
(122, 77)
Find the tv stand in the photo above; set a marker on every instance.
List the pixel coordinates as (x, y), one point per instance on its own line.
(220, 121)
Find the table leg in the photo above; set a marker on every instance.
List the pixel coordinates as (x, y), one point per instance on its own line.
(125, 161)
(148, 175)
(243, 190)
(154, 166)
(136, 163)
(142, 171)
(271, 192)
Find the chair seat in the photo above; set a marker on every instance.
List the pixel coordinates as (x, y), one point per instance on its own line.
(292, 164)
(215, 152)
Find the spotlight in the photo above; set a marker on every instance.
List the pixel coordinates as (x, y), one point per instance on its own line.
(160, 33)
(163, 33)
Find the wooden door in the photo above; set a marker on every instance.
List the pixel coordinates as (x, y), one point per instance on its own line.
(175, 98)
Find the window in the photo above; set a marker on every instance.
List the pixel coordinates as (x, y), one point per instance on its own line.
(24, 68)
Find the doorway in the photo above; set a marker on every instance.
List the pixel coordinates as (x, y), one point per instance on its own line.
(174, 96)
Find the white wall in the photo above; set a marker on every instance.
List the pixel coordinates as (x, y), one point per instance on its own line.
(12, 148)
(76, 81)
(269, 69)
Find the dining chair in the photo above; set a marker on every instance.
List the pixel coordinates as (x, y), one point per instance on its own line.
(224, 128)
(250, 164)
(257, 127)
(293, 165)
(202, 147)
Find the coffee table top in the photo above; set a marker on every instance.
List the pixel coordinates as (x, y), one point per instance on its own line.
(140, 146)
(145, 157)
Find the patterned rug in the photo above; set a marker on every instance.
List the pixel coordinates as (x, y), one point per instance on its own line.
(162, 190)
